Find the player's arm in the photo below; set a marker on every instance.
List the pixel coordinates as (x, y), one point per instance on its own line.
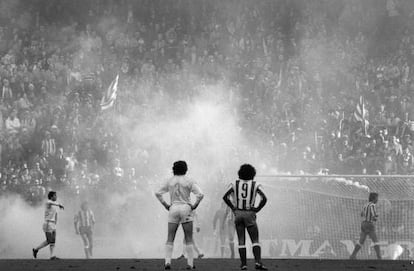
(374, 212)
(56, 204)
(75, 223)
(196, 190)
(92, 218)
(159, 193)
(227, 200)
(196, 221)
(263, 200)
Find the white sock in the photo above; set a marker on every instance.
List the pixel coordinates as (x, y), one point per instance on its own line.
(168, 253)
(190, 254)
(52, 249)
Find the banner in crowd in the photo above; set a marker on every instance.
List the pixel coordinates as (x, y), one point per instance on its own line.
(109, 97)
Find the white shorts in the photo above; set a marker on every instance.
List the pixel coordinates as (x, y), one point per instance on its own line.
(49, 226)
(180, 213)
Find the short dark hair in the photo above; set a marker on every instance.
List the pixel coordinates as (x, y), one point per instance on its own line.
(180, 168)
(247, 172)
(372, 196)
(51, 194)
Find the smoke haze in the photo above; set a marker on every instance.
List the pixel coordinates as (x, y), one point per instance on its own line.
(206, 130)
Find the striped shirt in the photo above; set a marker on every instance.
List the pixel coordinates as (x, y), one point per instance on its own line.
(49, 146)
(369, 212)
(85, 218)
(244, 193)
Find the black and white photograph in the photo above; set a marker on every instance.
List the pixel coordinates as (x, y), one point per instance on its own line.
(206, 135)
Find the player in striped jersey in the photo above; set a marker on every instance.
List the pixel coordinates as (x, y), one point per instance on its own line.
(180, 188)
(244, 192)
(84, 221)
(369, 216)
(49, 226)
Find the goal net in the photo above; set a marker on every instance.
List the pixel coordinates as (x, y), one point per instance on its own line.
(319, 216)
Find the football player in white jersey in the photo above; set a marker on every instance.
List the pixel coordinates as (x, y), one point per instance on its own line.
(180, 209)
(244, 192)
(49, 225)
(84, 221)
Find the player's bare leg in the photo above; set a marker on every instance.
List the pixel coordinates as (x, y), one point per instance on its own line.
(222, 243)
(90, 243)
(254, 237)
(231, 239)
(172, 230)
(358, 246)
(198, 250)
(241, 234)
(39, 247)
(231, 245)
(188, 236)
(374, 239)
(52, 251)
(182, 256)
(85, 245)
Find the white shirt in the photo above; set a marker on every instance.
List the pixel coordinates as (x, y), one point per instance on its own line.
(180, 189)
(51, 208)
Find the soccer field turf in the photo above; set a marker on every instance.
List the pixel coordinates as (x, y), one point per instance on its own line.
(202, 265)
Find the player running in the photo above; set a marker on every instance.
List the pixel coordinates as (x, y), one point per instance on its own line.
(224, 217)
(180, 210)
(49, 226)
(370, 216)
(84, 221)
(244, 192)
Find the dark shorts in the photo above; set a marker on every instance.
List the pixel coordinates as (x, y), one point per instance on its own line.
(245, 218)
(51, 237)
(367, 227)
(85, 230)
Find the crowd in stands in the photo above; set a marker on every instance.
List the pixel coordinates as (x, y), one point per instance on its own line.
(295, 69)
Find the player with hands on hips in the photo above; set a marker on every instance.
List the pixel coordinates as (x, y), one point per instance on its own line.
(180, 210)
(244, 192)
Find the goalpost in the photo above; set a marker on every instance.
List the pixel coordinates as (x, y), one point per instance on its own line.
(319, 216)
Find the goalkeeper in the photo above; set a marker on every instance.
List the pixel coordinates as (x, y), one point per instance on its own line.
(370, 216)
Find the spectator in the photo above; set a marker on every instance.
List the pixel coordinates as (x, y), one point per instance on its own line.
(36, 173)
(12, 123)
(7, 93)
(48, 146)
(60, 163)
